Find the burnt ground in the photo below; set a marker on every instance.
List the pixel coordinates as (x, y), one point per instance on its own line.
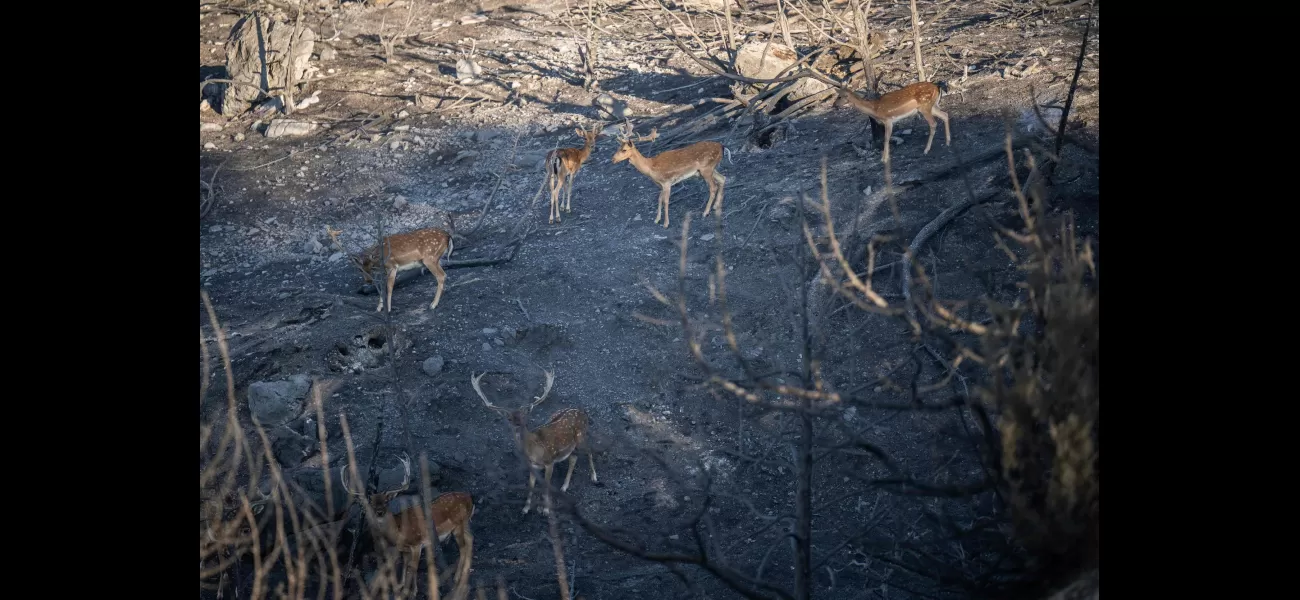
(575, 298)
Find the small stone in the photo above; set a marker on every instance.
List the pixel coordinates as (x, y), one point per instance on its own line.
(253, 231)
(905, 132)
(239, 137)
(707, 237)
(313, 246)
(395, 145)
(467, 69)
(399, 201)
(337, 256)
(403, 114)
(214, 229)
(472, 19)
(210, 146)
(637, 217)
(327, 52)
(487, 347)
(209, 126)
(432, 365)
(286, 127)
(489, 331)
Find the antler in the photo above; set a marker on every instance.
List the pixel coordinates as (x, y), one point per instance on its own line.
(406, 474)
(473, 380)
(550, 380)
(343, 480)
(625, 134)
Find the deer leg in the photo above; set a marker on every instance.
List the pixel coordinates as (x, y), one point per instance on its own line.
(722, 186)
(889, 137)
(713, 190)
(432, 265)
(532, 479)
(411, 568)
(667, 197)
(929, 121)
(550, 468)
(392, 278)
(591, 463)
(943, 116)
(568, 196)
(573, 460)
(557, 181)
(464, 543)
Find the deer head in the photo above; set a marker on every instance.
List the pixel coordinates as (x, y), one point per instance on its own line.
(627, 142)
(518, 418)
(379, 500)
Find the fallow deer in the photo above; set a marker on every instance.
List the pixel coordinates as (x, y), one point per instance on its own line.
(674, 166)
(403, 252)
(920, 97)
(549, 444)
(562, 166)
(405, 529)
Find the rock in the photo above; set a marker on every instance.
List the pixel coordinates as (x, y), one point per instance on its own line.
(308, 101)
(245, 49)
(707, 237)
(472, 19)
(214, 229)
(530, 159)
(254, 231)
(489, 331)
(467, 69)
(209, 126)
(287, 128)
(277, 402)
(337, 256)
(403, 114)
(752, 62)
(399, 201)
(487, 347)
(313, 246)
(209, 146)
(204, 106)
(327, 52)
(238, 137)
(463, 154)
(611, 106)
(432, 365)
(484, 135)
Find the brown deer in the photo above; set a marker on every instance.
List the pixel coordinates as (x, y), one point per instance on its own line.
(562, 166)
(675, 166)
(921, 97)
(403, 252)
(549, 444)
(406, 529)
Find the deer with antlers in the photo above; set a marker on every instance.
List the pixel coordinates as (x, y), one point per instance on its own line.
(562, 166)
(675, 166)
(406, 529)
(403, 252)
(549, 444)
(920, 97)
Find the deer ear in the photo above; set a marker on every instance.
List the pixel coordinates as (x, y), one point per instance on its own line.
(388, 496)
(579, 131)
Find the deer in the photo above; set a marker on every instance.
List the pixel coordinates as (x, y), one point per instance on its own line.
(549, 444)
(920, 97)
(405, 528)
(405, 251)
(675, 166)
(562, 166)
